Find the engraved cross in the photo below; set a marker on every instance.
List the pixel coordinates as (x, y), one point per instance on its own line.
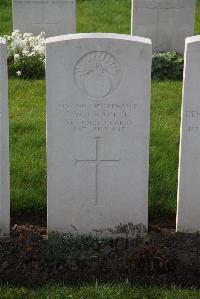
(97, 162)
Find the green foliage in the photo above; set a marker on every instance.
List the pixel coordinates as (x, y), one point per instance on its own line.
(27, 120)
(5, 17)
(30, 67)
(92, 16)
(4, 2)
(69, 247)
(167, 66)
(102, 16)
(28, 148)
(164, 147)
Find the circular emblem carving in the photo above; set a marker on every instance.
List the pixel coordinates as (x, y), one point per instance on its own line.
(97, 74)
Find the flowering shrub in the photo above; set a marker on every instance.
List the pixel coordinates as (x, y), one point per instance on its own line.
(26, 55)
(26, 59)
(167, 65)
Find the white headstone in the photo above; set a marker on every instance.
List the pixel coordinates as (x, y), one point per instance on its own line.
(98, 102)
(188, 212)
(4, 147)
(54, 17)
(166, 22)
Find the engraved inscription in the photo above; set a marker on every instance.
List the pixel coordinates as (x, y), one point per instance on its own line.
(192, 116)
(193, 129)
(97, 74)
(98, 118)
(97, 162)
(168, 4)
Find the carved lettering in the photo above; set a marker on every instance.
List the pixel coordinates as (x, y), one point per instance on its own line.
(98, 117)
(192, 114)
(193, 129)
(168, 4)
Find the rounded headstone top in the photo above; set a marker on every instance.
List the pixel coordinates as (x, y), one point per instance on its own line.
(192, 39)
(115, 36)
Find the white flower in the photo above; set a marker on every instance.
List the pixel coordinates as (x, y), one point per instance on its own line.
(22, 46)
(16, 33)
(16, 57)
(25, 52)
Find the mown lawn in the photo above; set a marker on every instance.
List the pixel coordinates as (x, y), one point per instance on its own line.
(97, 292)
(92, 16)
(28, 152)
(27, 146)
(27, 120)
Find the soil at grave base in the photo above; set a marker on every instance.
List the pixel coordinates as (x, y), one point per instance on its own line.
(28, 259)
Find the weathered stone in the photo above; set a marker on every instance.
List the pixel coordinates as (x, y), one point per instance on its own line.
(188, 212)
(166, 22)
(98, 103)
(54, 17)
(4, 144)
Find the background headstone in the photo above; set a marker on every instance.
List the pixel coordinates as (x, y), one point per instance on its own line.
(166, 22)
(98, 106)
(54, 17)
(4, 144)
(188, 213)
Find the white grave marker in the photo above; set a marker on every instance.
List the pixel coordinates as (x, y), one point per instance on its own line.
(188, 212)
(4, 146)
(98, 102)
(166, 22)
(54, 17)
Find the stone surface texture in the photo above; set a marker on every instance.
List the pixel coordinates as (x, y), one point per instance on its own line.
(54, 17)
(4, 144)
(98, 119)
(188, 211)
(166, 22)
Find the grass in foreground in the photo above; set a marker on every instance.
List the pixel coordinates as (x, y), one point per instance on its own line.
(27, 146)
(99, 292)
(164, 146)
(28, 152)
(27, 115)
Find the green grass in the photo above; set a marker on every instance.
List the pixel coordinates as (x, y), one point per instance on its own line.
(28, 153)
(5, 17)
(98, 292)
(92, 16)
(164, 146)
(104, 16)
(27, 146)
(27, 119)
